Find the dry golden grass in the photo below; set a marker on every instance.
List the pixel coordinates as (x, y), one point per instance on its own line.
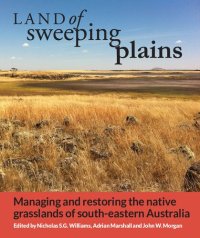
(163, 124)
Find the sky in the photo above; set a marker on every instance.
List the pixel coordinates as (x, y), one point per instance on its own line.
(169, 22)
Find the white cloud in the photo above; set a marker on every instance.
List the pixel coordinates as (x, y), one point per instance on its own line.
(179, 42)
(84, 51)
(16, 58)
(25, 45)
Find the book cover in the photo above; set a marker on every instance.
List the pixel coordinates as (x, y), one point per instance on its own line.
(99, 118)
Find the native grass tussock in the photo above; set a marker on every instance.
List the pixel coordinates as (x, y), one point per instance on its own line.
(101, 143)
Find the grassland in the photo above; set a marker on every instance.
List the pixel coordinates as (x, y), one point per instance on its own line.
(80, 140)
(132, 83)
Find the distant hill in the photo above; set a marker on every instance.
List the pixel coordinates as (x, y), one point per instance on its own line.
(158, 69)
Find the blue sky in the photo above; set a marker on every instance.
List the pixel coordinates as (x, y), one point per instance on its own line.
(168, 22)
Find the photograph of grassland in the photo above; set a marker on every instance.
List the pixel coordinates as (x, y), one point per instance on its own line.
(99, 131)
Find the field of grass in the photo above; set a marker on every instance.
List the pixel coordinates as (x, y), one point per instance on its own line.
(184, 84)
(69, 140)
(83, 143)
